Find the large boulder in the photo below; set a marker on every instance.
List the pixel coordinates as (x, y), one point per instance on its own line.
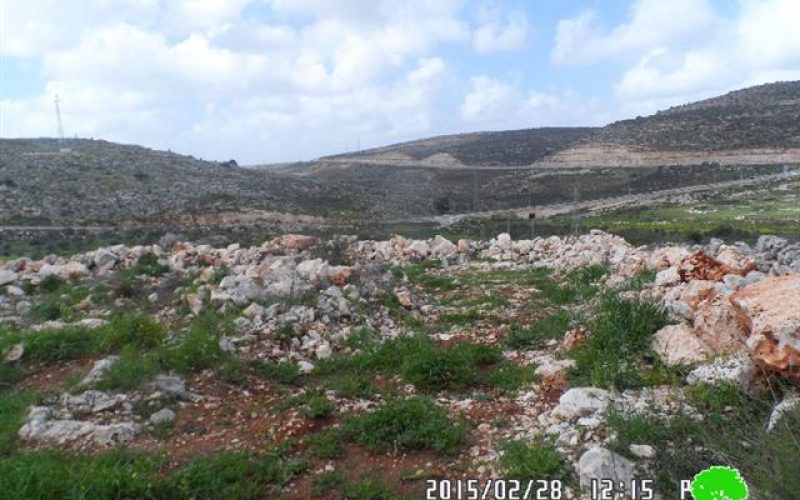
(720, 326)
(769, 308)
(442, 247)
(736, 260)
(678, 345)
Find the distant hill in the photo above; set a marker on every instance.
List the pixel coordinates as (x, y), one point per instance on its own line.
(766, 116)
(505, 148)
(753, 126)
(43, 181)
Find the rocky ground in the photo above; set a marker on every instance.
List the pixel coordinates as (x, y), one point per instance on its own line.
(360, 369)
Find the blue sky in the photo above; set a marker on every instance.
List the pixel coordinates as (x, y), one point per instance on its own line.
(281, 80)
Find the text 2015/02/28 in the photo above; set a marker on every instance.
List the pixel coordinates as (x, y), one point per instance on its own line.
(499, 489)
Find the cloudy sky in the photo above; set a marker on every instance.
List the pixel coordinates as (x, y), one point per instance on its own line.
(278, 80)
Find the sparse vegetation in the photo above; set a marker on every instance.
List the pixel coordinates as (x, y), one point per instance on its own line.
(617, 352)
(407, 424)
(534, 461)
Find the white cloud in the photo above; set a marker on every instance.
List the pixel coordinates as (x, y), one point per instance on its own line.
(497, 33)
(488, 99)
(494, 104)
(652, 23)
(759, 45)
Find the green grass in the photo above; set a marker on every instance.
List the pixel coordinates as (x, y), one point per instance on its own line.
(125, 474)
(537, 335)
(328, 444)
(732, 432)
(131, 371)
(407, 425)
(326, 482)
(368, 489)
(238, 475)
(537, 460)
(430, 367)
(135, 330)
(13, 407)
(284, 372)
(198, 348)
(617, 351)
(148, 265)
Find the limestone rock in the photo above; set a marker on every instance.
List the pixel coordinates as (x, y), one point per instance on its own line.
(600, 463)
(104, 259)
(718, 324)
(14, 353)
(668, 276)
(770, 309)
(677, 345)
(738, 370)
(7, 277)
(790, 402)
(99, 369)
(442, 247)
(581, 402)
(163, 416)
(697, 291)
(296, 242)
(701, 266)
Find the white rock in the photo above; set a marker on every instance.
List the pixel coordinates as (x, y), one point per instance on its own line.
(324, 351)
(104, 259)
(737, 370)
(7, 277)
(581, 402)
(600, 463)
(790, 402)
(254, 310)
(668, 276)
(99, 369)
(678, 345)
(305, 367)
(642, 450)
(14, 353)
(163, 416)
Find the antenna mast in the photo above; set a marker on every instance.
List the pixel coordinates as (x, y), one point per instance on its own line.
(58, 118)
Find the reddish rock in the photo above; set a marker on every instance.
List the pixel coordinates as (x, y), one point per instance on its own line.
(719, 325)
(697, 291)
(404, 298)
(574, 337)
(340, 275)
(701, 266)
(770, 310)
(738, 262)
(295, 241)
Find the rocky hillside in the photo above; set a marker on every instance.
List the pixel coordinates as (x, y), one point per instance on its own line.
(99, 182)
(505, 148)
(766, 116)
(756, 125)
(349, 368)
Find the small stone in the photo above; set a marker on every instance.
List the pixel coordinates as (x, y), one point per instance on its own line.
(642, 450)
(305, 367)
(15, 353)
(163, 416)
(324, 351)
